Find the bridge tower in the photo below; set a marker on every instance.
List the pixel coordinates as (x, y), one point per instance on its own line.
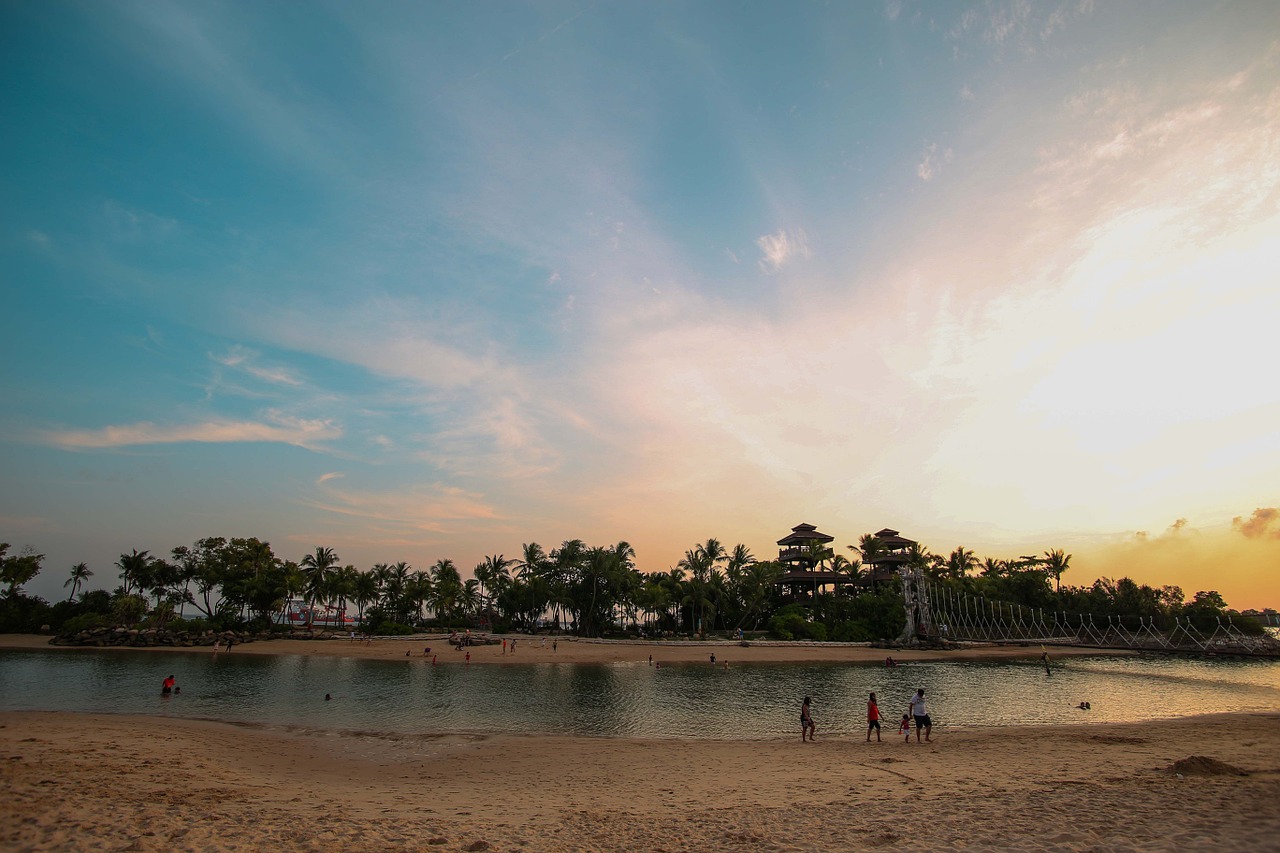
(915, 597)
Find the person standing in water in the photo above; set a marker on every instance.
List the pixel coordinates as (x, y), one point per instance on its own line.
(873, 718)
(918, 710)
(807, 727)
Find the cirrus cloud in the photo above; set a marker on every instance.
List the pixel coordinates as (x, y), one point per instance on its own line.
(284, 430)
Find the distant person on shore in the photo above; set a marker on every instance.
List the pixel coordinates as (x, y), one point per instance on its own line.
(1083, 706)
(807, 727)
(167, 687)
(504, 645)
(873, 718)
(889, 661)
(1044, 659)
(905, 728)
(713, 659)
(554, 644)
(468, 658)
(230, 643)
(918, 710)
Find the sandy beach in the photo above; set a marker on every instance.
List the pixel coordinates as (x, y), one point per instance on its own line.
(91, 782)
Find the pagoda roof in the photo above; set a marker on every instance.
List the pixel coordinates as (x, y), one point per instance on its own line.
(891, 540)
(803, 534)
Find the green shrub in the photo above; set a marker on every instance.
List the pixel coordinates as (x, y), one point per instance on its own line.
(195, 625)
(83, 622)
(851, 631)
(391, 629)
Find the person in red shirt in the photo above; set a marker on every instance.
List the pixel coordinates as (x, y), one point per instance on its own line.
(873, 718)
(167, 687)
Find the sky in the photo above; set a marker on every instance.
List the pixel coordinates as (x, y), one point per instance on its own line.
(418, 281)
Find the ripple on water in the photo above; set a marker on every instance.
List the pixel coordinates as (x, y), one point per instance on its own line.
(389, 701)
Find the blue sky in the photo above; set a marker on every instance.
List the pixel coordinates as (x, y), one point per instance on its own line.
(426, 280)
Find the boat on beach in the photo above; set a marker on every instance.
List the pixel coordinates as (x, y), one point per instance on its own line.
(296, 612)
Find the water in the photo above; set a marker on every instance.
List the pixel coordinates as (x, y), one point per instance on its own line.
(625, 700)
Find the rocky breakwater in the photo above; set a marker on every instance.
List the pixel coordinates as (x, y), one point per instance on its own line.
(154, 637)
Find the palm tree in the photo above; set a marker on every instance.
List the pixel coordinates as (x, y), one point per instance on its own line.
(365, 592)
(469, 597)
(960, 562)
(343, 586)
(1055, 563)
(79, 574)
(493, 573)
(529, 566)
(135, 570)
(870, 547)
(315, 569)
(419, 592)
(850, 568)
(447, 589)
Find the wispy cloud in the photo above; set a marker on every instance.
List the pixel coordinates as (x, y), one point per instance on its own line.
(245, 359)
(39, 239)
(931, 161)
(401, 514)
(781, 248)
(281, 429)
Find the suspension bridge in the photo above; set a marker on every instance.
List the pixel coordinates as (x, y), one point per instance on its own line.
(938, 612)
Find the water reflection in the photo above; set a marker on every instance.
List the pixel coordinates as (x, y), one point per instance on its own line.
(629, 700)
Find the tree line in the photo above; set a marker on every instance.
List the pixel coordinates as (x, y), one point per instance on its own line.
(580, 588)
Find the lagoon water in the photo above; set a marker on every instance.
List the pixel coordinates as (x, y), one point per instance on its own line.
(748, 701)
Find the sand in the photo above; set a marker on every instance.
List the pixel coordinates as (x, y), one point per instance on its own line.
(92, 782)
(100, 782)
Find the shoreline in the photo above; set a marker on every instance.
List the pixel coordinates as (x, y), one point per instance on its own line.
(93, 781)
(561, 649)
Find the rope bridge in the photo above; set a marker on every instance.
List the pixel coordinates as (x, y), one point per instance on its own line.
(937, 612)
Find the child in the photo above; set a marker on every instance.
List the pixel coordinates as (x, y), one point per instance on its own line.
(905, 728)
(873, 718)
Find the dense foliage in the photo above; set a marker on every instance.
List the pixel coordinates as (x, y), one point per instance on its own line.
(589, 590)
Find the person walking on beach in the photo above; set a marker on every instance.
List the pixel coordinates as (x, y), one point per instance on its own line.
(873, 718)
(807, 728)
(917, 710)
(905, 728)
